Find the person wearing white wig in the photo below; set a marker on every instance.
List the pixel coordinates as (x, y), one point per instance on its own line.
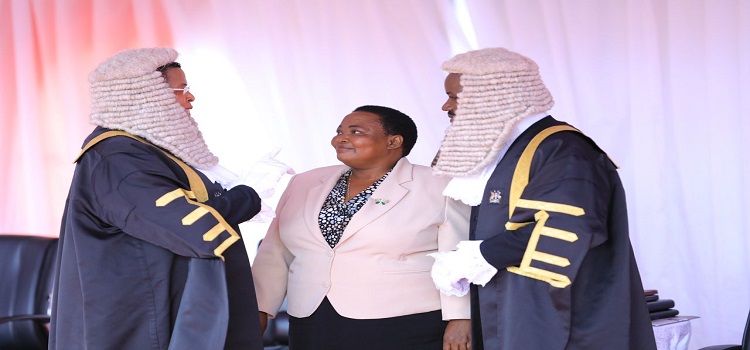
(149, 254)
(549, 263)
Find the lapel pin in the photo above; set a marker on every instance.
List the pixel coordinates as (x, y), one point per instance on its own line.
(495, 196)
(381, 201)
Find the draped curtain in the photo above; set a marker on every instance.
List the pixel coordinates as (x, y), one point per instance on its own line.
(663, 86)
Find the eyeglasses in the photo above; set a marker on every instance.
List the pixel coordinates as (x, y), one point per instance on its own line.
(184, 90)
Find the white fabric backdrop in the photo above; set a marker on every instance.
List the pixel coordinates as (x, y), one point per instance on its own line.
(662, 85)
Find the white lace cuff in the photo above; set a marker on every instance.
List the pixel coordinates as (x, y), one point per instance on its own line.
(453, 271)
(448, 280)
(478, 270)
(265, 215)
(263, 175)
(218, 173)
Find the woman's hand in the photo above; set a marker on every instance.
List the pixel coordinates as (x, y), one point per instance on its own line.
(263, 321)
(457, 335)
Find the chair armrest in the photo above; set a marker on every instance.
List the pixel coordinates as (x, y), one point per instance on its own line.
(42, 317)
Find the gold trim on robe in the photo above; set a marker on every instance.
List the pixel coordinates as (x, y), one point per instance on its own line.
(196, 195)
(518, 184)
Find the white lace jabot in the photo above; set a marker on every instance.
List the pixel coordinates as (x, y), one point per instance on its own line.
(470, 189)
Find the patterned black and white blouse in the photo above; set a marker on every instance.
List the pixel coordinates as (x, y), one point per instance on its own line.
(337, 211)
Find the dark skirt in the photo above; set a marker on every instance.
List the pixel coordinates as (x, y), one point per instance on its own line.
(326, 329)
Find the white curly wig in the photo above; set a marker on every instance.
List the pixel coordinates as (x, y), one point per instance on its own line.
(500, 88)
(129, 94)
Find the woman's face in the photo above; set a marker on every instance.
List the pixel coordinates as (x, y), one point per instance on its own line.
(176, 80)
(361, 142)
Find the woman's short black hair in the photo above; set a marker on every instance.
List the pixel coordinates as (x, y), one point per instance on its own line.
(395, 122)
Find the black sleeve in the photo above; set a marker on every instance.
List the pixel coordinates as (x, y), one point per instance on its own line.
(506, 249)
(138, 192)
(237, 205)
(566, 200)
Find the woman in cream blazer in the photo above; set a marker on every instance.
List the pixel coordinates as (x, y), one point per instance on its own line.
(348, 247)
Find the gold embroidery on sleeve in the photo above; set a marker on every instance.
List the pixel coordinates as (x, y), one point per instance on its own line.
(194, 216)
(518, 184)
(214, 232)
(197, 193)
(210, 235)
(521, 173)
(170, 196)
(226, 244)
(549, 206)
(550, 259)
(199, 212)
(525, 268)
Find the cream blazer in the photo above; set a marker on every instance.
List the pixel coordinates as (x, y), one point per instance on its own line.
(380, 267)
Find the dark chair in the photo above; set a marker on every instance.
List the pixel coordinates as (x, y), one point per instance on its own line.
(26, 277)
(745, 341)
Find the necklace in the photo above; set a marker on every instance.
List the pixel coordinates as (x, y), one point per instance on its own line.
(346, 191)
(348, 181)
(370, 188)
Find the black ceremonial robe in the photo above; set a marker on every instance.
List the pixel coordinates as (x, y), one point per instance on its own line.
(579, 287)
(143, 264)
